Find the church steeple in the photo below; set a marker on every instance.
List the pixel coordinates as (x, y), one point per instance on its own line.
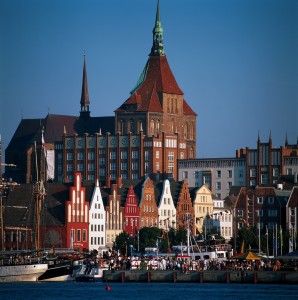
(85, 95)
(157, 47)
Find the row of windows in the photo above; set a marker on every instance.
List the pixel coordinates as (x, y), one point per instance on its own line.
(97, 241)
(97, 227)
(91, 155)
(76, 235)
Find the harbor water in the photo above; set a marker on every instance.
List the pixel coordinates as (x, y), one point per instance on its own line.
(143, 291)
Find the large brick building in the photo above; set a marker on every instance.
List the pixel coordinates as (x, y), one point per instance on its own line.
(150, 130)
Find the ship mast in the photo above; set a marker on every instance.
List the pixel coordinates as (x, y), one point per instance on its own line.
(39, 194)
(3, 186)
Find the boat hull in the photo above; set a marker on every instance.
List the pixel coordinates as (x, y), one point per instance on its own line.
(19, 273)
(57, 273)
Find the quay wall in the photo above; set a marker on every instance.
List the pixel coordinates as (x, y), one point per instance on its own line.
(286, 277)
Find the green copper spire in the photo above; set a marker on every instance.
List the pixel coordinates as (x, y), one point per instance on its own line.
(157, 48)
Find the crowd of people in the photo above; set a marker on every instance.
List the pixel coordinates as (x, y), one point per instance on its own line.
(116, 262)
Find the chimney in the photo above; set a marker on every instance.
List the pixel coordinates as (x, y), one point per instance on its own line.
(119, 182)
(108, 184)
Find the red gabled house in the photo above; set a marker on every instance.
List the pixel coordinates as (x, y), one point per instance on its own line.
(131, 213)
(77, 216)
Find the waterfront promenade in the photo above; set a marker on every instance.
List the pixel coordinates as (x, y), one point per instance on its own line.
(209, 276)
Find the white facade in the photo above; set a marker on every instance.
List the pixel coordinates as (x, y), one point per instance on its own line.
(166, 208)
(218, 174)
(222, 219)
(97, 221)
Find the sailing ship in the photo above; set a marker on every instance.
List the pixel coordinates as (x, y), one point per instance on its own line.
(16, 266)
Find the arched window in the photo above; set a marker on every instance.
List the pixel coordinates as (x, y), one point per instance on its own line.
(172, 126)
(132, 126)
(152, 127)
(185, 129)
(190, 152)
(191, 131)
(157, 127)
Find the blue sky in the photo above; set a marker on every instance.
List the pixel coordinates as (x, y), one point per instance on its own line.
(236, 62)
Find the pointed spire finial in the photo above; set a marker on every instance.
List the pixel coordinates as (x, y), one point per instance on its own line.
(97, 182)
(270, 136)
(157, 47)
(85, 95)
(100, 131)
(141, 127)
(286, 141)
(258, 135)
(64, 130)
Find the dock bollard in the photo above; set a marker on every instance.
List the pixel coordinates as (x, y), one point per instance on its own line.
(255, 277)
(122, 277)
(148, 276)
(201, 277)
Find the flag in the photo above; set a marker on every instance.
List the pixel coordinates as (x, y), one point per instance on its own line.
(43, 145)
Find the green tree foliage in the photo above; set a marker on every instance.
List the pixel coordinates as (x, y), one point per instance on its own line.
(148, 237)
(123, 242)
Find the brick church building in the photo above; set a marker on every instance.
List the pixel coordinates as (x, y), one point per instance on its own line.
(150, 130)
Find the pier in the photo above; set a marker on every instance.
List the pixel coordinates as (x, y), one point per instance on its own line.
(176, 276)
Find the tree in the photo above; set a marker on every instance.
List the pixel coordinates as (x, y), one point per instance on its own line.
(123, 242)
(148, 237)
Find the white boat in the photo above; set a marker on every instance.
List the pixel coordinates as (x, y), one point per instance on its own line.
(90, 272)
(24, 272)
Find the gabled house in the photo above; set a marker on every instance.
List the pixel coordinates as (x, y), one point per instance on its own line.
(131, 213)
(292, 218)
(97, 219)
(184, 208)
(114, 215)
(203, 209)
(148, 206)
(166, 207)
(77, 216)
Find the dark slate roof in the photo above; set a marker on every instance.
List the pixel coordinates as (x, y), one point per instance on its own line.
(29, 130)
(19, 205)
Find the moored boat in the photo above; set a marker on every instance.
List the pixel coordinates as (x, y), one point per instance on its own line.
(17, 269)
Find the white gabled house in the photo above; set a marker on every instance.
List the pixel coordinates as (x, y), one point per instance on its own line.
(97, 220)
(166, 208)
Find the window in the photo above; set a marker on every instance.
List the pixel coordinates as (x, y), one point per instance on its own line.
(275, 172)
(218, 174)
(260, 200)
(196, 174)
(229, 184)
(90, 177)
(102, 171)
(260, 213)
(123, 154)
(147, 167)
(171, 156)
(90, 167)
(218, 185)
(84, 235)
(218, 195)
(80, 167)
(270, 200)
(252, 183)
(289, 171)
(241, 174)
(157, 154)
(123, 166)
(240, 225)
(135, 166)
(79, 235)
(230, 173)
(102, 161)
(69, 168)
(112, 166)
(240, 213)
(184, 175)
(207, 180)
(157, 166)
(264, 178)
(91, 155)
(252, 172)
(272, 213)
(147, 155)
(80, 155)
(59, 157)
(69, 156)
(171, 168)
(135, 154)
(113, 155)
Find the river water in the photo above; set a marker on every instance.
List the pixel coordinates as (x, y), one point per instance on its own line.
(143, 291)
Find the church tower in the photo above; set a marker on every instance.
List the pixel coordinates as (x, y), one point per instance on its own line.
(156, 104)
